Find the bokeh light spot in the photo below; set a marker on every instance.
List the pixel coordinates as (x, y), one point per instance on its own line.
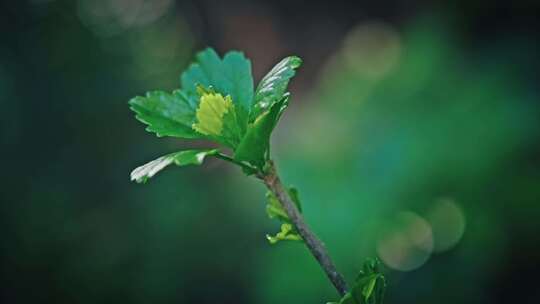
(448, 224)
(372, 49)
(407, 242)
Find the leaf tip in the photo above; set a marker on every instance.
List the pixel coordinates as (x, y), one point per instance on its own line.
(296, 61)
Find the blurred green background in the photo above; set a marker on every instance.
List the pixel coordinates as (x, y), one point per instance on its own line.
(413, 135)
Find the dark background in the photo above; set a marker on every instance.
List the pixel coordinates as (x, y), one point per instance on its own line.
(408, 120)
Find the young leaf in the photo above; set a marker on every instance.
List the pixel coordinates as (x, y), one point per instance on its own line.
(287, 233)
(188, 157)
(369, 286)
(210, 114)
(275, 210)
(255, 143)
(165, 114)
(347, 299)
(273, 86)
(230, 76)
(216, 118)
(293, 193)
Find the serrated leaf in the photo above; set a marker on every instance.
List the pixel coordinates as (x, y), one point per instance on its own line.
(254, 145)
(210, 114)
(188, 157)
(216, 118)
(165, 114)
(228, 76)
(273, 86)
(238, 70)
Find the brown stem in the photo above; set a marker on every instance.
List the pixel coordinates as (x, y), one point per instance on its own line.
(315, 246)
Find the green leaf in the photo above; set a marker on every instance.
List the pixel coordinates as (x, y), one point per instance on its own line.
(273, 86)
(237, 69)
(165, 114)
(293, 193)
(287, 233)
(210, 114)
(201, 72)
(188, 157)
(256, 142)
(347, 299)
(274, 209)
(216, 118)
(230, 76)
(369, 286)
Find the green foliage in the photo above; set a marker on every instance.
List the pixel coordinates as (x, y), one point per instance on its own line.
(189, 157)
(287, 232)
(230, 76)
(369, 286)
(274, 209)
(165, 114)
(274, 85)
(217, 102)
(216, 118)
(254, 147)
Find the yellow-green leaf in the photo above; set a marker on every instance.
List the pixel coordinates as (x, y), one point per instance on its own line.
(212, 108)
(287, 233)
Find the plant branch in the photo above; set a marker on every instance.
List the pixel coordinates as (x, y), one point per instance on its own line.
(315, 246)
